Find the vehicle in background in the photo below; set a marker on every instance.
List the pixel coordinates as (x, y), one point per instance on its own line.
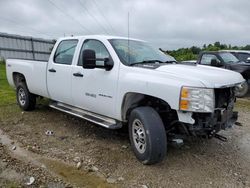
(228, 61)
(116, 81)
(189, 62)
(242, 55)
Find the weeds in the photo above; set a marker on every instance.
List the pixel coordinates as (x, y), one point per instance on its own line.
(7, 94)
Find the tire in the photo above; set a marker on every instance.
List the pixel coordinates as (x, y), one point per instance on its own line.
(242, 90)
(146, 124)
(25, 99)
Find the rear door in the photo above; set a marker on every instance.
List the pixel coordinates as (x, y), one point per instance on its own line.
(59, 71)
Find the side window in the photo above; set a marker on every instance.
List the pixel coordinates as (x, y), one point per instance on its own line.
(99, 48)
(65, 52)
(206, 59)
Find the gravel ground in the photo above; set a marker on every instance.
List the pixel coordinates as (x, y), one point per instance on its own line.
(104, 157)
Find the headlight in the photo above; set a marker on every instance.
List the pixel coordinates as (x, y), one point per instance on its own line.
(197, 99)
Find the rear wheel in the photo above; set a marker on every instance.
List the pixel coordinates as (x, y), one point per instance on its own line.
(147, 135)
(242, 90)
(25, 99)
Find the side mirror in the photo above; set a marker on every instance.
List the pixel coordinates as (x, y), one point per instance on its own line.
(88, 59)
(216, 63)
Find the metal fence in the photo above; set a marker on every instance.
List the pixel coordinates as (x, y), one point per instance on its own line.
(15, 46)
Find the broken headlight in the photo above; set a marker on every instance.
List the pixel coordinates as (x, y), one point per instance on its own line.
(197, 99)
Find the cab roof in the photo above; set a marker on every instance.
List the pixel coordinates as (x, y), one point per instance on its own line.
(236, 51)
(105, 37)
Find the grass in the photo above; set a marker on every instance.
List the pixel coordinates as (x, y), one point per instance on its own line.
(7, 93)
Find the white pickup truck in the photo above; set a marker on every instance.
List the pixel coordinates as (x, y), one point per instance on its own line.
(115, 82)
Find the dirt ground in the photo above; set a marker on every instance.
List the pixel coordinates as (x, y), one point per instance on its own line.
(104, 157)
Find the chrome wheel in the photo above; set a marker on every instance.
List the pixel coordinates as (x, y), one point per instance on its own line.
(21, 96)
(139, 136)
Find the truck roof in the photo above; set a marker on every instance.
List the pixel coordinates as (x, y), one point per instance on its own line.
(236, 51)
(106, 37)
(214, 51)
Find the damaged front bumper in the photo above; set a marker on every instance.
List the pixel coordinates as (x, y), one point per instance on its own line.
(209, 124)
(221, 118)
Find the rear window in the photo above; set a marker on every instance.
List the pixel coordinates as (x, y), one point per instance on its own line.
(243, 56)
(65, 52)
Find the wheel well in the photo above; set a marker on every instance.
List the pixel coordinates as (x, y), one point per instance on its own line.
(18, 77)
(133, 100)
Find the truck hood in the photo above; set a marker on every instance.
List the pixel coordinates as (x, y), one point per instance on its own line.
(241, 67)
(242, 63)
(210, 77)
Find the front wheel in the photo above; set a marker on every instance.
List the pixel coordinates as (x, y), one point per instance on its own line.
(147, 135)
(25, 99)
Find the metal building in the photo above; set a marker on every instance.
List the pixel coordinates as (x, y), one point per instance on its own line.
(15, 46)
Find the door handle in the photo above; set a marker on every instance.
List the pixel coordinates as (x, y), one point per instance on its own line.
(52, 70)
(78, 74)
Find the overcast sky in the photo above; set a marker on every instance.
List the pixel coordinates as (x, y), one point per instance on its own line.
(168, 24)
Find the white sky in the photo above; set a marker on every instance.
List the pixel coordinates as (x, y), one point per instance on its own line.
(168, 24)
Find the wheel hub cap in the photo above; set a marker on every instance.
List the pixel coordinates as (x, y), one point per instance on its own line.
(21, 96)
(139, 136)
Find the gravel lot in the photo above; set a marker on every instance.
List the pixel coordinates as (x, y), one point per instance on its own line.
(105, 159)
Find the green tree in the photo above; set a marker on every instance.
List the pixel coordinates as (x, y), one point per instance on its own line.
(191, 53)
(247, 47)
(217, 44)
(195, 50)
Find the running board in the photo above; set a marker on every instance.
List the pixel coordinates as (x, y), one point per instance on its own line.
(103, 121)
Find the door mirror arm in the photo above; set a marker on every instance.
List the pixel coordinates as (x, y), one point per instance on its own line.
(108, 65)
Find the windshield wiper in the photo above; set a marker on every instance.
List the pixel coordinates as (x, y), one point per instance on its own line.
(171, 61)
(151, 61)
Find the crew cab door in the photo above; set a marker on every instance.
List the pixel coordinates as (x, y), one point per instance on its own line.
(59, 72)
(95, 89)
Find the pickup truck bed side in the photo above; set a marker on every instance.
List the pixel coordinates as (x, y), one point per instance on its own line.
(34, 72)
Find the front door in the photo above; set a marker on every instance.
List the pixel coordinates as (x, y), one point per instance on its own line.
(60, 72)
(95, 89)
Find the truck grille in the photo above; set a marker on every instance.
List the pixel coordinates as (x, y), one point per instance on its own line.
(224, 97)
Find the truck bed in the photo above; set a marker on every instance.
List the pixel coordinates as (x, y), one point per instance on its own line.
(34, 72)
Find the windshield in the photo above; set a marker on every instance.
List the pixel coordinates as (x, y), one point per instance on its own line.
(229, 58)
(138, 52)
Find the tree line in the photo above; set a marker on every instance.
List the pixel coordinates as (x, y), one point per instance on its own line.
(192, 53)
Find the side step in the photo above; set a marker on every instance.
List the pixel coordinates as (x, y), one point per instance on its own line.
(89, 116)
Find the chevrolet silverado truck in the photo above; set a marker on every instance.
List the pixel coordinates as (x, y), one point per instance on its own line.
(226, 60)
(116, 82)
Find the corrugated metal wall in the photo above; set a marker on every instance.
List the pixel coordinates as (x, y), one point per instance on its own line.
(15, 46)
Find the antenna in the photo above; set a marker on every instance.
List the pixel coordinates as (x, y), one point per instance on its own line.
(128, 42)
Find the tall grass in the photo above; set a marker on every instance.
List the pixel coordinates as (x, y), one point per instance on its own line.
(7, 94)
